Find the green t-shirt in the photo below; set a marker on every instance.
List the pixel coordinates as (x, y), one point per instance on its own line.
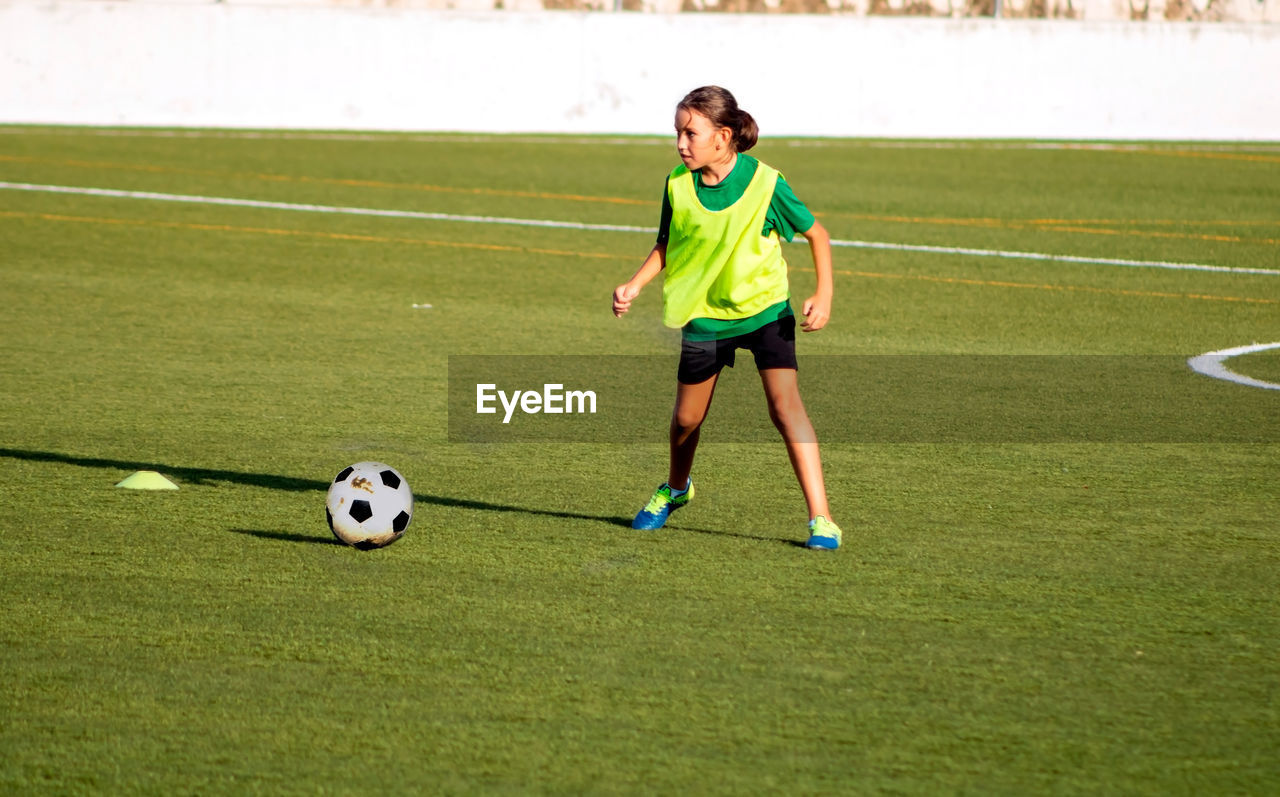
(787, 216)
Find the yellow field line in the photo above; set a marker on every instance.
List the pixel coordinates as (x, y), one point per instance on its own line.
(1050, 287)
(336, 236)
(980, 221)
(1157, 234)
(1174, 153)
(332, 236)
(286, 178)
(1226, 156)
(1080, 226)
(1164, 222)
(942, 220)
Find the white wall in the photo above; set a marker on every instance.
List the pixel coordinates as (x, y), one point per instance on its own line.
(398, 69)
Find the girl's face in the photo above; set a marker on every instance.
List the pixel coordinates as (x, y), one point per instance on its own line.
(699, 141)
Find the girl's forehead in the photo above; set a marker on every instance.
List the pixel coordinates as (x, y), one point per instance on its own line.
(686, 117)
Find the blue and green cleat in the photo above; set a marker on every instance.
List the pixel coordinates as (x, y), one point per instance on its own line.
(660, 506)
(823, 535)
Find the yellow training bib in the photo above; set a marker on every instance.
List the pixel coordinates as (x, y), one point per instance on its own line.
(718, 264)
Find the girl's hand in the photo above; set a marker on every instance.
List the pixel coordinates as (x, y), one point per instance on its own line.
(622, 296)
(624, 293)
(817, 312)
(817, 308)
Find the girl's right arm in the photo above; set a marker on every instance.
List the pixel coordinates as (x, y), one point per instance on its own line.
(629, 290)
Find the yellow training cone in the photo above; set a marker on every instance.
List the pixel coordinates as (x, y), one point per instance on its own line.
(147, 480)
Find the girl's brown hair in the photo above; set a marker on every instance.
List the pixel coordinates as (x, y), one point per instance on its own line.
(719, 106)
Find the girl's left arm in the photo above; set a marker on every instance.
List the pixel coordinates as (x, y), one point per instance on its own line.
(817, 308)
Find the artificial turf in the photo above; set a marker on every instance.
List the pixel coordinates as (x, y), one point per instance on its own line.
(1007, 615)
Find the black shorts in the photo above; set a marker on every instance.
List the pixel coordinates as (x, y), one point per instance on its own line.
(774, 346)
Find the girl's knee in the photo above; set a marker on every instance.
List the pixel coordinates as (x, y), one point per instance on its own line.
(791, 420)
(787, 408)
(686, 420)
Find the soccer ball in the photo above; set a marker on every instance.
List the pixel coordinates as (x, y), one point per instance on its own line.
(369, 505)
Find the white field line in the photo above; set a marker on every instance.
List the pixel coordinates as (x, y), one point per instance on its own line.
(1213, 364)
(317, 135)
(576, 225)
(265, 204)
(1100, 261)
(1035, 146)
(629, 139)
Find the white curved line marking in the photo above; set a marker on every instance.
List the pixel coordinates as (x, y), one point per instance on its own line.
(1212, 364)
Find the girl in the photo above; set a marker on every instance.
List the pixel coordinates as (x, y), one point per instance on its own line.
(725, 286)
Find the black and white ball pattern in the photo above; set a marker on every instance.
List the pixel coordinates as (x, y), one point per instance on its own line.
(369, 505)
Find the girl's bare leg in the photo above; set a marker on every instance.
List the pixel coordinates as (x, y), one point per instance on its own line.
(788, 414)
(692, 403)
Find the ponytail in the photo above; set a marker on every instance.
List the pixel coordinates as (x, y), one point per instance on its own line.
(747, 133)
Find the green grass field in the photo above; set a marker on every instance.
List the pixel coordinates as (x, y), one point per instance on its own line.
(1004, 618)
